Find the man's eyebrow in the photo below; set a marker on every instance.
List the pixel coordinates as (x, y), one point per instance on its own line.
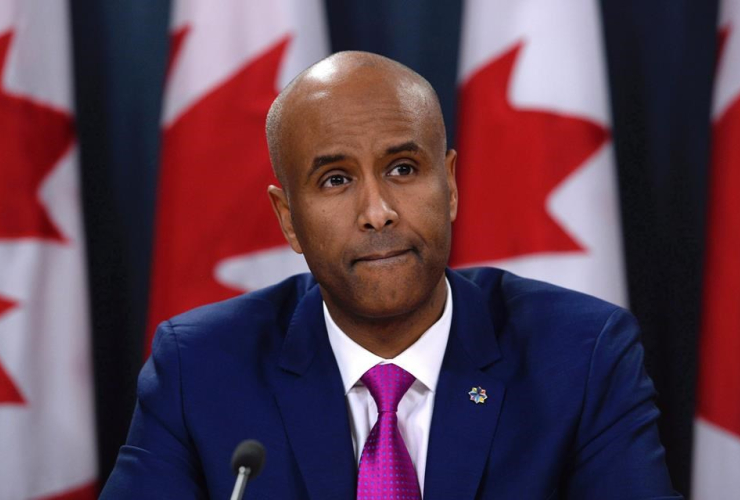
(320, 161)
(409, 146)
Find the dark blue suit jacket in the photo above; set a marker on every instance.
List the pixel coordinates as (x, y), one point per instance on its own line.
(570, 411)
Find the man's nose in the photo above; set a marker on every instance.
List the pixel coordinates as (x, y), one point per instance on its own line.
(376, 207)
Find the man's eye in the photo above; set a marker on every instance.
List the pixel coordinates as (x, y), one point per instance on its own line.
(335, 180)
(402, 170)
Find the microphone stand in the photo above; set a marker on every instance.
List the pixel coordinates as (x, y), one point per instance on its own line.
(241, 483)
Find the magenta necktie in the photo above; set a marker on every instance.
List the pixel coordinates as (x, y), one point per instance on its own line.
(386, 470)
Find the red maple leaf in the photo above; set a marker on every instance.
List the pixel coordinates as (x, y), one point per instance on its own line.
(719, 371)
(33, 138)
(212, 201)
(9, 393)
(176, 41)
(510, 161)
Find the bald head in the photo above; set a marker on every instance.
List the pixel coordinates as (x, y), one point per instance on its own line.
(357, 77)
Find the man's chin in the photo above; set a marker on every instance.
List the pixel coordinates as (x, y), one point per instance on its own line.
(383, 314)
(390, 298)
(386, 290)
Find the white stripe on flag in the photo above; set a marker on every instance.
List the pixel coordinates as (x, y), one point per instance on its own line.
(716, 463)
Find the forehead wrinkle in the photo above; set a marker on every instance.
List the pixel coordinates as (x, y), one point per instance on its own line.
(343, 138)
(347, 136)
(360, 116)
(392, 124)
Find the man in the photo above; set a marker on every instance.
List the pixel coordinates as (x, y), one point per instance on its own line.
(383, 369)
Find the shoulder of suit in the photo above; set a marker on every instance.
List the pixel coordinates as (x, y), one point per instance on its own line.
(535, 302)
(266, 307)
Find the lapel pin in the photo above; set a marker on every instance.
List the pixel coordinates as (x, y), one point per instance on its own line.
(478, 395)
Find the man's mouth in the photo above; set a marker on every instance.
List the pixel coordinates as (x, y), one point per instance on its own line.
(379, 257)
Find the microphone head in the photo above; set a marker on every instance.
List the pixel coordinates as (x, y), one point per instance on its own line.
(250, 454)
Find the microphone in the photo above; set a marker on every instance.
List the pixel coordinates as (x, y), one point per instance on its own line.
(246, 462)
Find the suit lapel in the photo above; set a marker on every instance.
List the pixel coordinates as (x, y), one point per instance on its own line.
(462, 431)
(309, 392)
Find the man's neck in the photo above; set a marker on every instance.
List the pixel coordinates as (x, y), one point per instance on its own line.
(389, 337)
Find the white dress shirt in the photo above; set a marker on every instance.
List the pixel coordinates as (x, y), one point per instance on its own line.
(423, 360)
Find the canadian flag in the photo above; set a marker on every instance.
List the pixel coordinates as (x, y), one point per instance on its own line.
(536, 174)
(47, 426)
(216, 235)
(716, 460)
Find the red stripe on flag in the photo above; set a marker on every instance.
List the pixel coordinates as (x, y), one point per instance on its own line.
(718, 391)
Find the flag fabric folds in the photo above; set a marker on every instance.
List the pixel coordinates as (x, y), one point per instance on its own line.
(536, 171)
(215, 232)
(47, 425)
(717, 427)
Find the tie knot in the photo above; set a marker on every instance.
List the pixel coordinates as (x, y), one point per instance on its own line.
(387, 385)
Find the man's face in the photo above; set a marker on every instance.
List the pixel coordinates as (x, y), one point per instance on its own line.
(371, 195)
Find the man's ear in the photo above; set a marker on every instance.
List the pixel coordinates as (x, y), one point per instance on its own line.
(279, 201)
(450, 163)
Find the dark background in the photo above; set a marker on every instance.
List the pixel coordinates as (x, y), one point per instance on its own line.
(660, 57)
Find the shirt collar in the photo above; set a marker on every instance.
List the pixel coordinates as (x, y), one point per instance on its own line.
(422, 359)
